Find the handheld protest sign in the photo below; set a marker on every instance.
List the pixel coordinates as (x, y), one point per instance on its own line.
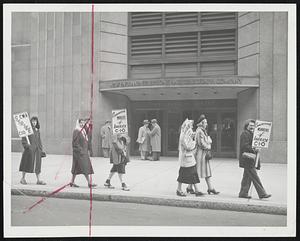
(23, 125)
(119, 121)
(261, 134)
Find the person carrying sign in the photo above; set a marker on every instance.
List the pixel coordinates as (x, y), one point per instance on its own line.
(31, 161)
(248, 163)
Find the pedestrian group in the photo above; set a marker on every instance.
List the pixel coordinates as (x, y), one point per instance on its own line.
(194, 155)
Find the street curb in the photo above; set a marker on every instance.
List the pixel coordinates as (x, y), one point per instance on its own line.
(201, 204)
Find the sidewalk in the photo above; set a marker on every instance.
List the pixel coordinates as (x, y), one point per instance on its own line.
(155, 183)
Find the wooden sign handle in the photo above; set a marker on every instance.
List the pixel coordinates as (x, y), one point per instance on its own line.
(257, 158)
(27, 140)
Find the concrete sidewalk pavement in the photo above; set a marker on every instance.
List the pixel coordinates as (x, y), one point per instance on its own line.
(155, 183)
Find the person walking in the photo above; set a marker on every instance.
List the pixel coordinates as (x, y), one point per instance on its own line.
(155, 140)
(119, 157)
(203, 145)
(187, 172)
(81, 160)
(250, 174)
(144, 140)
(106, 135)
(31, 160)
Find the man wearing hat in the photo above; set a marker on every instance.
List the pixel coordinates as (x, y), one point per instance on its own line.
(106, 136)
(155, 140)
(144, 140)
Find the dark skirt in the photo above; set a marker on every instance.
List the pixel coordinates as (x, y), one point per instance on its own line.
(188, 175)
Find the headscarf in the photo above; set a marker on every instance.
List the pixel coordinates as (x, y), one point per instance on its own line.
(82, 130)
(186, 127)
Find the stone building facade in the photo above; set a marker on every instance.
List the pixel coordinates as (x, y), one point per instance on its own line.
(164, 65)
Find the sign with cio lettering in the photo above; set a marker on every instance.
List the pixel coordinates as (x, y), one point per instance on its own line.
(23, 124)
(261, 135)
(119, 121)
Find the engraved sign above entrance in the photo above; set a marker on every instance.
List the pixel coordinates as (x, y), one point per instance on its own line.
(230, 81)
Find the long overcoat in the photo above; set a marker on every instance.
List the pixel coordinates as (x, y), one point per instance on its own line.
(118, 146)
(81, 160)
(106, 135)
(246, 146)
(31, 158)
(203, 144)
(155, 139)
(144, 139)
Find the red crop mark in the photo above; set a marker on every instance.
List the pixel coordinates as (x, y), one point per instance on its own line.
(44, 198)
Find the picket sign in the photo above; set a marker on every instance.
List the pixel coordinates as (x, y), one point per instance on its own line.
(119, 121)
(23, 125)
(261, 136)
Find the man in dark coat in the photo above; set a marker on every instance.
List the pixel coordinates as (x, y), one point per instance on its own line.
(250, 174)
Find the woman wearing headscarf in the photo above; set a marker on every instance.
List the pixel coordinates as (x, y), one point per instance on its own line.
(203, 146)
(187, 172)
(32, 156)
(81, 160)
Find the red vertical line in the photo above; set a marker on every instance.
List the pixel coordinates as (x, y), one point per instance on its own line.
(91, 117)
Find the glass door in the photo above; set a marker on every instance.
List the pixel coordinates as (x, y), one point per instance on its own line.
(173, 132)
(228, 132)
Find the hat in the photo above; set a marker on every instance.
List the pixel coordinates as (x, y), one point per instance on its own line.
(146, 122)
(107, 121)
(153, 121)
(201, 118)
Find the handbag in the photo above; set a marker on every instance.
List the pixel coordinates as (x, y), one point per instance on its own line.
(249, 156)
(208, 155)
(43, 154)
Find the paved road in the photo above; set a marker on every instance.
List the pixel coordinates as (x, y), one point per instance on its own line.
(61, 212)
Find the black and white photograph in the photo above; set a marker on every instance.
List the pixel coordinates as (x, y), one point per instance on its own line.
(149, 120)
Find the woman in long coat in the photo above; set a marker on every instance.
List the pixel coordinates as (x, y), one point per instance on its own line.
(32, 156)
(81, 160)
(144, 140)
(203, 145)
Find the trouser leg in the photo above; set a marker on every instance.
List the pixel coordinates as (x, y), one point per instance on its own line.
(245, 184)
(256, 182)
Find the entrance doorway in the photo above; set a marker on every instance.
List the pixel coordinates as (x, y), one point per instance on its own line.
(221, 128)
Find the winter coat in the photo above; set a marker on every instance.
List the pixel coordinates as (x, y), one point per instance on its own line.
(246, 146)
(144, 139)
(155, 138)
(81, 160)
(186, 155)
(203, 144)
(106, 135)
(119, 150)
(31, 158)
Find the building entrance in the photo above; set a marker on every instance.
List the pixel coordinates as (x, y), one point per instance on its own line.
(221, 127)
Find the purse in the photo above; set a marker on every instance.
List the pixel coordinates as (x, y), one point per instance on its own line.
(208, 155)
(43, 154)
(249, 156)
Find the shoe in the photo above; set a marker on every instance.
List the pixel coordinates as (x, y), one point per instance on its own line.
(199, 194)
(92, 185)
(180, 193)
(124, 187)
(108, 185)
(73, 185)
(245, 196)
(40, 183)
(265, 196)
(190, 190)
(23, 181)
(213, 191)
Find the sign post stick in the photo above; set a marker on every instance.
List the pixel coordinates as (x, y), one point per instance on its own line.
(28, 140)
